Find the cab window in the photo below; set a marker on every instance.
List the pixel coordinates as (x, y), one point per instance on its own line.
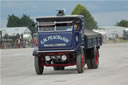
(77, 25)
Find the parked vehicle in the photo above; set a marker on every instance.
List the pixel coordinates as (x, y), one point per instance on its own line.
(64, 41)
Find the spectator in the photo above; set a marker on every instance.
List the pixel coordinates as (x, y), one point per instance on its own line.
(19, 43)
(35, 42)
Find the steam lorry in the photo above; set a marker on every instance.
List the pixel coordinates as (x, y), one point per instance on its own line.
(64, 41)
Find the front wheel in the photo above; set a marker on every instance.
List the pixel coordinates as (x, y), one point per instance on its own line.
(80, 63)
(38, 68)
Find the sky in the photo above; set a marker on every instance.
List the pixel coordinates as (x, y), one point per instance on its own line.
(105, 12)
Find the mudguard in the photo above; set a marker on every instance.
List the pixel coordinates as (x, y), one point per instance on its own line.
(35, 53)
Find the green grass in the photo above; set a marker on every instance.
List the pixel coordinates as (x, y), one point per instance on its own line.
(119, 41)
(123, 41)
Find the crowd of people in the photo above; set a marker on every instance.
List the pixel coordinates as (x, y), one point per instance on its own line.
(24, 43)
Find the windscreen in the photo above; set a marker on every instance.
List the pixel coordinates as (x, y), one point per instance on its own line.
(55, 26)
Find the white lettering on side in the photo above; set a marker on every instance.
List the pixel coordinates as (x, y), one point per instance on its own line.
(66, 40)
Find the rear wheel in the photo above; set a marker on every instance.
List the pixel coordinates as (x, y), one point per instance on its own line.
(93, 60)
(80, 63)
(38, 68)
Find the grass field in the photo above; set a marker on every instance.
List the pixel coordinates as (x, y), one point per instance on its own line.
(123, 41)
(118, 41)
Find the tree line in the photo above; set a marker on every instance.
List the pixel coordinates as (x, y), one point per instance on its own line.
(24, 21)
(122, 23)
(90, 23)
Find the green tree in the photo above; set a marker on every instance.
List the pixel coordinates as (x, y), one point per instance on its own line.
(27, 22)
(24, 21)
(90, 23)
(122, 23)
(13, 21)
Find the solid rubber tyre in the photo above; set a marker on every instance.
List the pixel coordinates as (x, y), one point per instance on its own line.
(89, 64)
(93, 60)
(38, 68)
(80, 63)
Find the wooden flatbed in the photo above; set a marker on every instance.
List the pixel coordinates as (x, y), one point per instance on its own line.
(92, 39)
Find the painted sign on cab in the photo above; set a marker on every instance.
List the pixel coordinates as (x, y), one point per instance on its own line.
(53, 37)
